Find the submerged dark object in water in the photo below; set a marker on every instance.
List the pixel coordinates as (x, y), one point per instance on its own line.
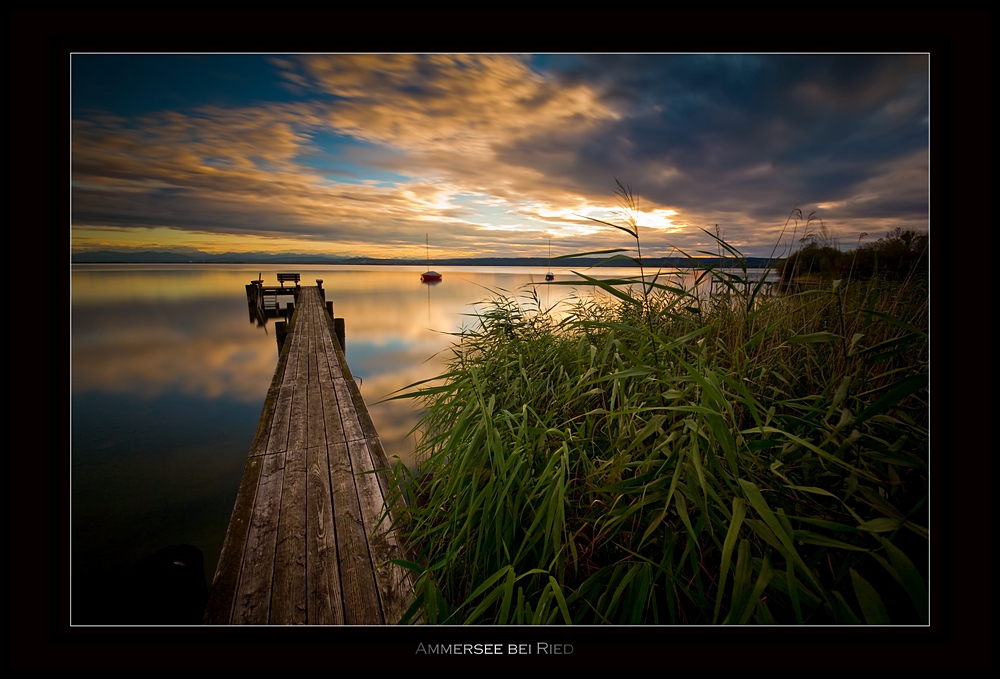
(168, 588)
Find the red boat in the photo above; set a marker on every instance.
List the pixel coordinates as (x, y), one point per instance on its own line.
(429, 276)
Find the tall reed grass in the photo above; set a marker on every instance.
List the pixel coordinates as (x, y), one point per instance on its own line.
(657, 457)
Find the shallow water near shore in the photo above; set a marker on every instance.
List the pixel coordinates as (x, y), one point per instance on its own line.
(169, 374)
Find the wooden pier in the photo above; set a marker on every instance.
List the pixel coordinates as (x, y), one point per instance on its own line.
(304, 544)
(262, 300)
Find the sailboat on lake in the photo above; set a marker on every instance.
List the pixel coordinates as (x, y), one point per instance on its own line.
(429, 276)
(550, 276)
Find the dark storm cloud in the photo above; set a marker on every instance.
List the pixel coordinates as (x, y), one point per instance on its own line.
(751, 133)
(498, 150)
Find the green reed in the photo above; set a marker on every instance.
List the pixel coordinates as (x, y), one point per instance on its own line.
(658, 457)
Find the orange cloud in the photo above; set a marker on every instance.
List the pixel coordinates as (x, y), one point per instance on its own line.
(460, 132)
(464, 103)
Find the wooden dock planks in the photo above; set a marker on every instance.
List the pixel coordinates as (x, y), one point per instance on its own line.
(305, 544)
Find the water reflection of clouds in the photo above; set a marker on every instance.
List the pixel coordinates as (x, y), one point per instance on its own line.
(383, 376)
(203, 347)
(100, 284)
(151, 330)
(210, 367)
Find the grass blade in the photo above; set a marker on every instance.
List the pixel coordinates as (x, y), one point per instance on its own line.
(871, 603)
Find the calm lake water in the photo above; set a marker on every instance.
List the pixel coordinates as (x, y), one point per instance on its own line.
(169, 375)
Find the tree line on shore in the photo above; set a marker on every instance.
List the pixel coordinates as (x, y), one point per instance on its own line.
(899, 255)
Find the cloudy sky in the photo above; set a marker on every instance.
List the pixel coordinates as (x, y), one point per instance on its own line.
(491, 155)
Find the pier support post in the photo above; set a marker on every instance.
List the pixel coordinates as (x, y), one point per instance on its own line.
(329, 308)
(251, 301)
(338, 329)
(280, 332)
(255, 301)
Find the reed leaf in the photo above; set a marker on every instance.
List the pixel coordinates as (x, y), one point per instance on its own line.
(610, 463)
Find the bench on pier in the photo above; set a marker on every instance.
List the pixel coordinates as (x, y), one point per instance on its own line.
(293, 277)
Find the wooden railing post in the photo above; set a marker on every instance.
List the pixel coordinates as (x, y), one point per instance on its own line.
(338, 329)
(280, 332)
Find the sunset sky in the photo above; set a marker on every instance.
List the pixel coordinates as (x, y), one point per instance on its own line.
(491, 154)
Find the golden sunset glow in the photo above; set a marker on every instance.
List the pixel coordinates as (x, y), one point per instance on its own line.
(492, 154)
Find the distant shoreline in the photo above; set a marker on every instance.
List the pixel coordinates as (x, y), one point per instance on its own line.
(174, 258)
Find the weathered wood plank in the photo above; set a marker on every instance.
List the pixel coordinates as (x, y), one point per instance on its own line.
(331, 414)
(305, 544)
(361, 600)
(361, 408)
(318, 426)
(298, 433)
(326, 606)
(330, 349)
(222, 596)
(293, 375)
(394, 585)
(253, 597)
(288, 590)
(380, 461)
(312, 412)
(277, 442)
(219, 609)
(301, 338)
(263, 432)
(344, 369)
(348, 412)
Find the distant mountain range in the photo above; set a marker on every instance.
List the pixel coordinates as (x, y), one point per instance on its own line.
(160, 257)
